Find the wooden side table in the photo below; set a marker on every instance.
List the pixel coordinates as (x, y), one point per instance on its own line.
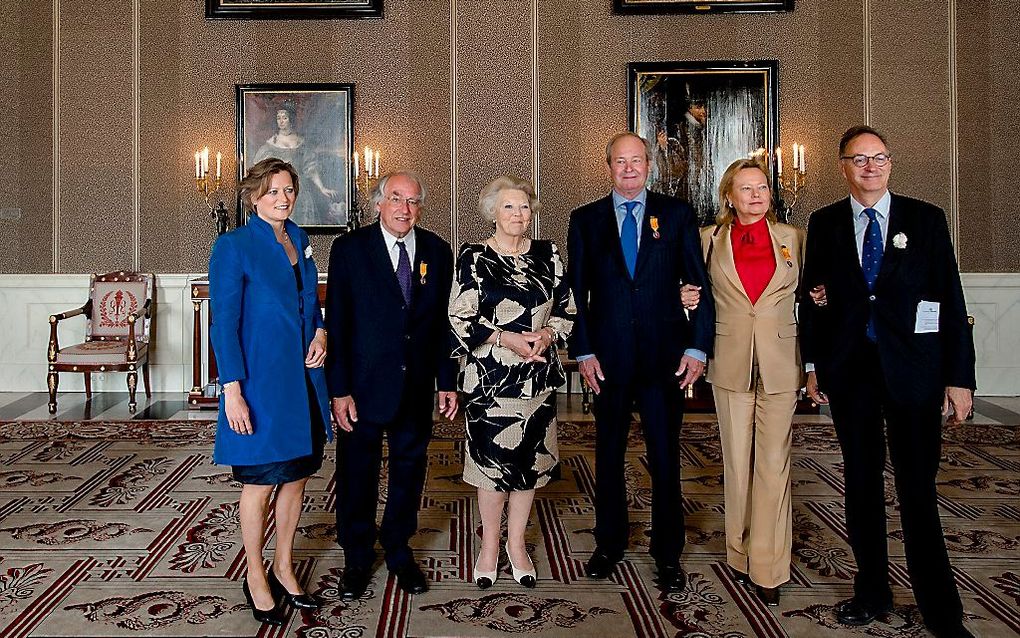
(205, 387)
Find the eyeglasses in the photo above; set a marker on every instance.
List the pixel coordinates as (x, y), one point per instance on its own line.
(860, 160)
(397, 200)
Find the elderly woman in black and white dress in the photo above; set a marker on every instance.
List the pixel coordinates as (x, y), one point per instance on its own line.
(510, 307)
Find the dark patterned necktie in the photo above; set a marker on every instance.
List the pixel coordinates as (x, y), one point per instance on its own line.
(871, 260)
(628, 237)
(404, 272)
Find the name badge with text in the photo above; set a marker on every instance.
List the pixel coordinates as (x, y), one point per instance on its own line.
(927, 317)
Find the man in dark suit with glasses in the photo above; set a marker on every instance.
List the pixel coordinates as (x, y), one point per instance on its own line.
(888, 347)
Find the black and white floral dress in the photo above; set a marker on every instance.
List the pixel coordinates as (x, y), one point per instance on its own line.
(510, 404)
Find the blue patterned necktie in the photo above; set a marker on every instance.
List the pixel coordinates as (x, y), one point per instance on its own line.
(404, 272)
(871, 260)
(628, 237)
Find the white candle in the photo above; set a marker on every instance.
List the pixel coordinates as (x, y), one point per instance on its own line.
(205, 161)
(796, 155)
(357, 170)
(219, 159)
(779, 161)
(198, 165)
(803, 170)
(376, 171)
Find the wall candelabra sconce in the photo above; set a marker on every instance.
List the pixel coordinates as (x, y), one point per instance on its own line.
(208, 184)
(365, 178)
(789, 183)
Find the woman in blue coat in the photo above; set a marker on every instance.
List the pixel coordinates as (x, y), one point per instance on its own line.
(270, 344)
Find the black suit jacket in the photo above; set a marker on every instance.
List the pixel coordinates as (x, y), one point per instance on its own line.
(379, 350)
(917, 367)
(637, 324)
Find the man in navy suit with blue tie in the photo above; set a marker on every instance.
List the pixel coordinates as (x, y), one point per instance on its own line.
(629, 254)
(887, 345)
(389, 348)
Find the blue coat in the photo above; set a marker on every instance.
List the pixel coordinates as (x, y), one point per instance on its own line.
(260, 334)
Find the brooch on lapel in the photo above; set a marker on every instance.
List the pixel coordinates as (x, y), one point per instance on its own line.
(308, 251)
(899, 241)
(654, 223)
(423, 269)
(785, 252)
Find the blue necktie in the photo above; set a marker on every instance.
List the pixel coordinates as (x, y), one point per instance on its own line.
(871, 260)
(628, 237)
(404, 272)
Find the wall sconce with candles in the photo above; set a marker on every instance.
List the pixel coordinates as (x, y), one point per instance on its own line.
(789, 184)
(364, 182)
(208, 185)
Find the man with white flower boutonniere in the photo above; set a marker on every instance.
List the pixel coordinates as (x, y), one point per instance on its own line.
(885, 340)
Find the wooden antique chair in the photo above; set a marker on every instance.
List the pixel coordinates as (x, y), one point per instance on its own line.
(117, 326)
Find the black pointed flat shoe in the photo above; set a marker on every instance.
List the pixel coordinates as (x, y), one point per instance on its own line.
(274, 616)
(298, 601)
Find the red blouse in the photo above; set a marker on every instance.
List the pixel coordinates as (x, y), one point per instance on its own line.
(754, 256)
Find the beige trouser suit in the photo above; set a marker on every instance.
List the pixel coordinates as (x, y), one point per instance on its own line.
(755, 375)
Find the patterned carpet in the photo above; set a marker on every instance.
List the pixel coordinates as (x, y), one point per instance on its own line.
(126, 529)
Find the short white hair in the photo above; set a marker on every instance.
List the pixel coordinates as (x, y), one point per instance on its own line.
(490, 192)
(379, 192)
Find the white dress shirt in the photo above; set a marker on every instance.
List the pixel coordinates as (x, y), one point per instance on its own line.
(861, 220)
(391, 246)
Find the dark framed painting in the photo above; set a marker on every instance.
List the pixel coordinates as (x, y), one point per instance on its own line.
(699, 117)
(701, 6)
(312, 127)
(293, 9)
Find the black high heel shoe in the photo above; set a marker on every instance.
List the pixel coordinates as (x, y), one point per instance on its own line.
(298, 601)
(274, 616)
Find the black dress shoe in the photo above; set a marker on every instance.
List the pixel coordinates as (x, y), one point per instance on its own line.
(355, 582)
(768, 595)
(742, 578)
(857, 612)
(671, 578)
(298, 601)
(600, 565)
(274, 616)
(411, 580)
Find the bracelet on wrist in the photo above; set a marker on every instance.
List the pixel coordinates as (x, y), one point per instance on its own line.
(499, 338)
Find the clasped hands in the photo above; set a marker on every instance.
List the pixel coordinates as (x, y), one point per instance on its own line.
(530, 346)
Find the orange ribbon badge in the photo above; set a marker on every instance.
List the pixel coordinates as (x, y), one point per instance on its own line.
(423, 269)
(785, 252)
(654, 222)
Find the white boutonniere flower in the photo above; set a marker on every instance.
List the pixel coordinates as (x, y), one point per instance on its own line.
(899, 241)
(308, 250)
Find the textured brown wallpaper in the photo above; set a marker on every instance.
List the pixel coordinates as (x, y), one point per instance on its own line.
(407, 100)
(26, 227)
(95, 162)
(494, 112)
(989, 96)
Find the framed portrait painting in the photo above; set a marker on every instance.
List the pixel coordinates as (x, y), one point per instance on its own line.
(701, 6)
(311, 126)
(699, 117)
(293, 9)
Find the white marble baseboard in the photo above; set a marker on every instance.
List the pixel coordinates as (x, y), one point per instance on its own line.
(993, 299)
(27, 300)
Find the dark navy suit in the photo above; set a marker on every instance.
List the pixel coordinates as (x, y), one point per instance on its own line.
(638, 329)
(891, 389)
(389, 356)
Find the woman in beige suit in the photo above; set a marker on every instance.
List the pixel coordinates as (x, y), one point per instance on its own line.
(754, 265)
